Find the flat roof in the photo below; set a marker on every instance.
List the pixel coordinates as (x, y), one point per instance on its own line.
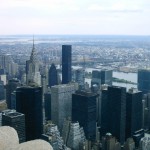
(13, 114)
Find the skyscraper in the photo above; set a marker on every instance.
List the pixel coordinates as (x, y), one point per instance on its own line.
(32, 69)
(7, 63)
(106, 77)
(144, 80)
(11, 87)
(2, 90)
(104, 110)
(52, 135)
(145, 143)
(52, 76)
(84, 111)
(129, 145)
(80, 78)
(66, 63)
(61, 103)
(29, 102)
(115, 112)
(103, 76)
(110, 143)
(17, 121)
(73, 134)
(47, 104)
(133, 112)
(96, 78)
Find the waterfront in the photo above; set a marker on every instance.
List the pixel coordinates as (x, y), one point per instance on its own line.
(120, 75)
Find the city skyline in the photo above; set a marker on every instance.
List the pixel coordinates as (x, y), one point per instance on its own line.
(113, 17)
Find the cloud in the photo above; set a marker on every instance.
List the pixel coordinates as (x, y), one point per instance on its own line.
(115, 8)
(39, 4)
(78, 16)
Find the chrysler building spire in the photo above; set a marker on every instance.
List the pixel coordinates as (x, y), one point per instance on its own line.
(32, 68)
(33, 53)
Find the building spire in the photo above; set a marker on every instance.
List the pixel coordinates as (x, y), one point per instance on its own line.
(33, 53)
(33, 41)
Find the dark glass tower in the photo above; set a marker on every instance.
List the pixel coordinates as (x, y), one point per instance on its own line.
(84, 111)
(10, 87)
(104, 111)
(17, 121)
(2, 90)
(96, 78)
(144, 80)
(133, 112)
(53, 76)
(106, 77)
(101, 77)
(29, 102)
(115, 112)
(66, 63)
(47, 105)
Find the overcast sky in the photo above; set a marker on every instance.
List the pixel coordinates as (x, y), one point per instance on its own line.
(126, 17)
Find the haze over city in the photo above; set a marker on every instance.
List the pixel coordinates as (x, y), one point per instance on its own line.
(75, 75)
(111, 17)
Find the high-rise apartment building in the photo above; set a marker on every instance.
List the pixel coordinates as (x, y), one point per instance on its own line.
(144, 80)
(53, 76)
(17, 121)
(133, 112)
(29, 102)
(84, 111)
(115, 112)
(61, 102)
(66, 63)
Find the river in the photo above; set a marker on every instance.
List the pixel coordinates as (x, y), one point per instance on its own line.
(121, 75)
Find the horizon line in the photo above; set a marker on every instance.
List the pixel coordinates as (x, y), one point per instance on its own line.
(24, 34)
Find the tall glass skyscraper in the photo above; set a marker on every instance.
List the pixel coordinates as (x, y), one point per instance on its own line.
(115, 112)
(66, 63)
(52, 76)
(96, 78)
(29, 102)
(84, 111)
(10, 87)
(133, 112)
(144, 80)
(106, 77)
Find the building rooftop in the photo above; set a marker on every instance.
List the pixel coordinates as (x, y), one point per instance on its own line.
(145, 70)
(133, 90)
(86, 93)
(13, 114)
